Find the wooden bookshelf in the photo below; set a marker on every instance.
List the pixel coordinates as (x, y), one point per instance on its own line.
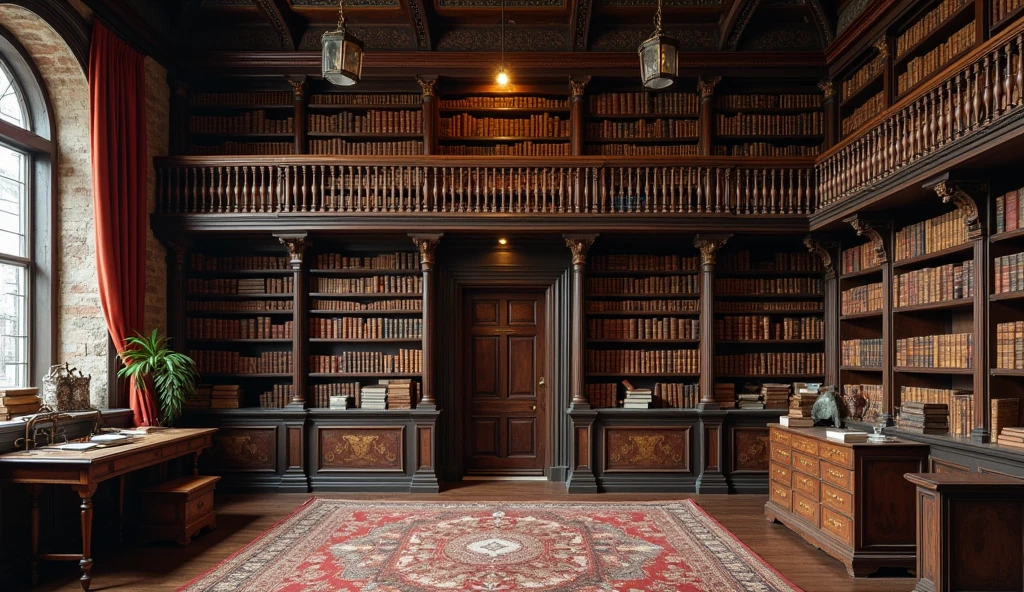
(930, 40)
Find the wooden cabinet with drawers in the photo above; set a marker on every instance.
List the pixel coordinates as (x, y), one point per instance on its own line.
(849, 500)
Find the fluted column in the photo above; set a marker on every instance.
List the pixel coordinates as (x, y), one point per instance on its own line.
(427, 244)
(579, 245)
(429, 86)
(297, 244)
(709, 246)
(301, 125)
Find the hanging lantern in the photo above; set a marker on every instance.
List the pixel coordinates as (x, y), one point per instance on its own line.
(342, 54)
(659, 57)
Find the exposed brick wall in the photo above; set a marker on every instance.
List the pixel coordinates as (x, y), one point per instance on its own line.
(157, 139)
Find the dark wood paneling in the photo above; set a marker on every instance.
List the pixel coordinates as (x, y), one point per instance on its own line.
(646, 449)
(364, 448)
(245, 449)
(750, 450)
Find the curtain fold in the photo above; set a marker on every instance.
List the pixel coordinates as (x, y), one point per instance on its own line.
(117, 101)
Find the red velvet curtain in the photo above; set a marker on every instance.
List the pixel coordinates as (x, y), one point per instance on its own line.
(117, 101)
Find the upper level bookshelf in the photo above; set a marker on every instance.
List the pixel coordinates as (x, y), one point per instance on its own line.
(642, 123)
(501, 125)
(768, 124)
(930, 39)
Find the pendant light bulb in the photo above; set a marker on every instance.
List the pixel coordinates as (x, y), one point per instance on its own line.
(502, 78)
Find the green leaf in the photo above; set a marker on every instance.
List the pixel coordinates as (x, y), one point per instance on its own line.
(173, 374)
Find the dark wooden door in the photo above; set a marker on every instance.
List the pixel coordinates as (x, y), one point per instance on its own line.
(504, 361)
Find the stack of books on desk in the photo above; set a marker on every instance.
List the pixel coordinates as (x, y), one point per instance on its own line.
(847, 437)
(202, 398)
(226, 396)
(800, 405)
(400, 393)
(15, 402)
(725, 395)
(373, 396)
(775, 395)
(924, 418)
(636, 398)
(1011, 437)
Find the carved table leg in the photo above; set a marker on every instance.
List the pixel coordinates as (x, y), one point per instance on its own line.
(85, 564)
(34, 491)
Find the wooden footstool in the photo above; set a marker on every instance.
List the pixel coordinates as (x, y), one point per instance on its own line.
(178, 509)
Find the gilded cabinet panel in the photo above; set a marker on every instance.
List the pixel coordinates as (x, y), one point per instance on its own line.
(750, 450)
(651, 449)
(245, 449)
(371, 448)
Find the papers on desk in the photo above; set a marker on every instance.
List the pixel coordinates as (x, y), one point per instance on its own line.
(75, 446)
(108, 438)
(137, 432)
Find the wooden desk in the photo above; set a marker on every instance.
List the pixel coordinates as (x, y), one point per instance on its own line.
(970, 532)
(84, 471)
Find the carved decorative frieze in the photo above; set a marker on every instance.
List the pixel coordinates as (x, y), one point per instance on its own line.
(362, 449)
(245, 449)
(629, 38)
(750, 449)
(873, 230)
(516, 39)
(581, 22)
(709, 246)
(965, 196)
(646, 449)
(824, 250)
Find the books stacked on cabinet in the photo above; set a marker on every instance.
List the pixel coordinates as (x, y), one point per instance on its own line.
(637, 398)
(924, 418)
(1013, 437)
(775, 395)
(725, 395)
(800, 404)
(15, 402)
(374, 397)
(226, 396)
(279, 397)
(959, 403)
(1005, 414)
(202, 399)
(402, 393)
(748, 400)
(676, 395)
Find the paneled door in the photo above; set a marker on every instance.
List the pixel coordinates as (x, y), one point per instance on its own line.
(503, 386)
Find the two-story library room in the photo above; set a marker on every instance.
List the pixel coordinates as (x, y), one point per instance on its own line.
(512, 295)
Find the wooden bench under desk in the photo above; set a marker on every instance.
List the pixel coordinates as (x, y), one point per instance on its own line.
(970, 532)
(846, 499)
(83, 471)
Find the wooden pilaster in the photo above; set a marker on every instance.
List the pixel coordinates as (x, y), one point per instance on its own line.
(299, 88)
(577, 113)
(827, 250)
(709, 246)
(579, 244)
(831, 106)
(706, 131)
(430, 113)
(427, 244)
(297, 244)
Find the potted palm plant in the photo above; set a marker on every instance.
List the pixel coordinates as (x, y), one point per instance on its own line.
(148, 360)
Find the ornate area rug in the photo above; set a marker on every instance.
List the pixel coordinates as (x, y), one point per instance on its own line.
(336, 545)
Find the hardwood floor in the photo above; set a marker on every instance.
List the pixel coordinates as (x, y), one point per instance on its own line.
(165, 567)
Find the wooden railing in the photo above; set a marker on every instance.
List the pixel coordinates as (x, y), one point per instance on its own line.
(978, 91)
(581, 185)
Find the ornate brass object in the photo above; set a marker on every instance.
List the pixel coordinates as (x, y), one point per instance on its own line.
(44, 429)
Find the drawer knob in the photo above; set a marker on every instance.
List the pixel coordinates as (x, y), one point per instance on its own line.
(200, 505)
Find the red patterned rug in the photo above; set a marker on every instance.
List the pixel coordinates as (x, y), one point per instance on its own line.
(336, 545)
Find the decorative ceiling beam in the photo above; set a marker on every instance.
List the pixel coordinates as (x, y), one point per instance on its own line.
(579, 25)
(821, 21)
(419, 20)
(734, 21)
(277, 13)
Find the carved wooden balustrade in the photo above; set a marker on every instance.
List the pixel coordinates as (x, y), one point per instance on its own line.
(978, 92)
(580, 185)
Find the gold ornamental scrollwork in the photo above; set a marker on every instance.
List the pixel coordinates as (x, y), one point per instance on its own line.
(706, 85)
(828, 88)
(709, 247)
(577, 86)
(296, 244)
(429, 86)
(579, 247)
(426, 245)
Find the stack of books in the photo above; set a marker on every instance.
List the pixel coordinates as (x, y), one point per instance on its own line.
(201, 400)
(400, 393)
(750, 401)
(775, 395)
(339, 402)
(725, 395)
(373, 396)
(800, 405)
(1011, 437)
(847, 437)
(636, 398)
(924, 418)
(226, 396)
(1004, 414)
(15, 402)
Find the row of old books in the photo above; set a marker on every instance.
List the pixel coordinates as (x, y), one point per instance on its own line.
(254, 306)
(920, 67)
(671, 129)
(785, 285)
(631, 361)
(761, 327)
(226, 396)
(602, 395)
(643, 263)
(413, 100)
(763, 101)
(401, 393)
(640, 103)
(664, 396)
(245, 149)
(866, 72)
(398, 305)
(866, 353)
(936, 351)
(742, 261)
(640, 150)
(672, 284)
(863, 114)
(753, 124)
(241, 286)
(676, 395)
(386, 261)
(540, 125)
(362, 328)
(334, 392)
(961, 414)
(861, 299)
(525, 148)
(380, 284)
(1010, 345)
(766, 364)
(775, 395)
(202, 399)
(926, 24)
(655, 328)
(373, 122)
(279, 396)
(873, 395)
(1005, 414)
(924, 418)
(763, 306)
(1009, 273)
(234, 99)
(725, 395)
(346, 148)
(934, 284)
(18, 401)
(1009, 211)
(202, 262)
(232, 362)
(254, 328)
(602, 306)
(254, 122)
(519, 102)
(929, 236)
(1012, 437)
(764, 149)
(406, 361)
(920, 394)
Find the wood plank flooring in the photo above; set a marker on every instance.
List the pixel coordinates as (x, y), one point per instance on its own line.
(165, 567)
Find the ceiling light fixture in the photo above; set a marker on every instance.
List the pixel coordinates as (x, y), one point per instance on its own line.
(342, 54)
(659, 57)
(503, 241)
(502, 77)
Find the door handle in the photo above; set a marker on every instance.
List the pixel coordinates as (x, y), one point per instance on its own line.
(533, 407)
(541, 383)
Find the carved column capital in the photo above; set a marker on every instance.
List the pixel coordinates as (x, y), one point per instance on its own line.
(875, 231)
(428, 85)
(577, 85)
(883, 48)
(709, 245)
(828, 88)
(706, 85)
(296, 244)
(965, 196)
(580, 245)
(426, 244)
(298, 87)
(823, 249)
